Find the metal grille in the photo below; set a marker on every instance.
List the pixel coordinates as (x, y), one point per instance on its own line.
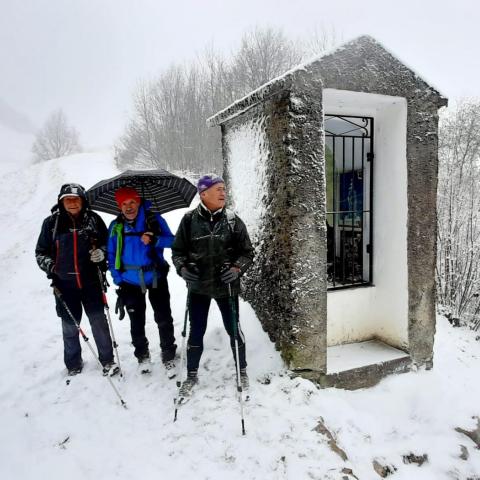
(349, 177)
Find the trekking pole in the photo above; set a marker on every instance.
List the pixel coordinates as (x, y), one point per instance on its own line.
(182, 355)
(237, 356)
(58, 294)
(109, 319)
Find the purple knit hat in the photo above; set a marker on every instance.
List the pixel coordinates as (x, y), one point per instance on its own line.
(207, 181)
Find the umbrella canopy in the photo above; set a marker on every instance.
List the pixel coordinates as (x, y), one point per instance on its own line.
(165, 191)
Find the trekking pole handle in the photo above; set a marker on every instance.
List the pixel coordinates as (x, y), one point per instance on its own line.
(102, 279)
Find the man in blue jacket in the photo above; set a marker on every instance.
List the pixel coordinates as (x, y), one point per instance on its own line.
(135, 259)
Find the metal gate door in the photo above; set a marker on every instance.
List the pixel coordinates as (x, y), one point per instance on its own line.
(349, 184)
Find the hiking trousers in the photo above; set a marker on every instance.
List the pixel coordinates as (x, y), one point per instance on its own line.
(90, 298)
(135, 304)
(198, 313)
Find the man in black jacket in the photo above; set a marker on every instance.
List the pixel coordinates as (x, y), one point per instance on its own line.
(211, 251)
(70, 250)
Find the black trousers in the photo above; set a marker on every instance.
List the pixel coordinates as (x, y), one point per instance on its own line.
(90, 297)
(198, 313)
(134, 300)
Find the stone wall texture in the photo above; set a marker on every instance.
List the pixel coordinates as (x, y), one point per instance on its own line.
(287, 285)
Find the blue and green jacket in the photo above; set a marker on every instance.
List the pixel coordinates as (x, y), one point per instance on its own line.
(129, 259)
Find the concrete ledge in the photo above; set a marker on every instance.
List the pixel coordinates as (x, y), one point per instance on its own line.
(359, 365)
(363, 377)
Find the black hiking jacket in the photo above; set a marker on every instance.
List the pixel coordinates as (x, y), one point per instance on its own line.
(64, 243)
(212, 241)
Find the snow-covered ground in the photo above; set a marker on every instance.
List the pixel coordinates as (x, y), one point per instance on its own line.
(79, 431)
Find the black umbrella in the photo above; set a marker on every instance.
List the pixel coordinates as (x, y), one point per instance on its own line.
(164, 190)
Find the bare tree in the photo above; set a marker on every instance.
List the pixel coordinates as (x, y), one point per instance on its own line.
(219, 84)
(458, 265)
(168, 128)
(319, 41)
(55, 139)
(264, 54)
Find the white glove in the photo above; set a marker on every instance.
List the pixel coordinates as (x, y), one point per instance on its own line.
(97, 255)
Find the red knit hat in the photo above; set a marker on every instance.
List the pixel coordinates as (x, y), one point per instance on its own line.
(125, 193)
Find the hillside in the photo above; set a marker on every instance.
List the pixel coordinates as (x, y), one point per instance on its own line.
(79, 431)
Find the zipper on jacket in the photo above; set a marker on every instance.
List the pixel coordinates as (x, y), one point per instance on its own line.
(75, 256)
(57, 258)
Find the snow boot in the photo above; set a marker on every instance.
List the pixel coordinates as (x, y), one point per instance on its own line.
(244, 380)
(144, 362)
(111, 369)
(75, 370)
(170, 367)
(187, 386)
(144, 357)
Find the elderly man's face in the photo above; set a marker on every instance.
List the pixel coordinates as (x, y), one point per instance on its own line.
(72, 204)
(214, 197)
(129, 208)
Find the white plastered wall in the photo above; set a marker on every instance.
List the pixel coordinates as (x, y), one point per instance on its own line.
(247, 163)
(381, 310)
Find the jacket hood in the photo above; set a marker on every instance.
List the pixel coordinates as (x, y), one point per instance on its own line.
(73, 189)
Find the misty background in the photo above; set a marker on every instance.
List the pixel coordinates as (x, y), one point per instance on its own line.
(141, 77)
(87, 57)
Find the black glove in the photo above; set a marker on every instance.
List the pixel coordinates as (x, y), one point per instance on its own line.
(120, 305)
(230, 275)
(50, 269)
(51, 274)
(190, 274)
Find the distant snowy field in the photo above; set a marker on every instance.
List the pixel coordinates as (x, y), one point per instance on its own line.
(51, 430)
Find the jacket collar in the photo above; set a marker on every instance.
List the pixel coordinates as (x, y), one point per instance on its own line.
(209, 215)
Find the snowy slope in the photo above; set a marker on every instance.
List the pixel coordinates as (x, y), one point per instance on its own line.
(51, 430)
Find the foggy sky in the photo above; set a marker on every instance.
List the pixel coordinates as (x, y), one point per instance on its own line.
(86, 56)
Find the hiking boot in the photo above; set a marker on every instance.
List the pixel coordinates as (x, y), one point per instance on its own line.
(170, 368)
(244, 379)
(187, 386)
(74, 371)
(144, 357)
(169, 354)
(110, 369)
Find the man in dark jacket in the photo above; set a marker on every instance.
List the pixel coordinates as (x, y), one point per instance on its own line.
(135, 259)
(71, 249)
(211, 251)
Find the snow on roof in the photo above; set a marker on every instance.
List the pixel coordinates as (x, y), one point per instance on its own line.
(239, 106)
(261, 92)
